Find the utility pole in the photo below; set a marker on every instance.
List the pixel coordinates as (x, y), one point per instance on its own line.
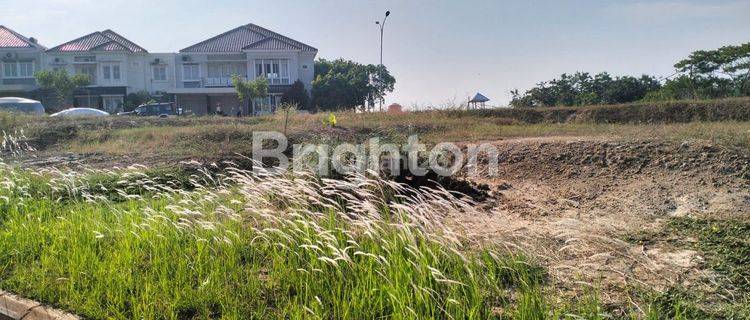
(382, 25)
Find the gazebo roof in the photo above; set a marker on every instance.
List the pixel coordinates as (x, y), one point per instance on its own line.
(479, 98)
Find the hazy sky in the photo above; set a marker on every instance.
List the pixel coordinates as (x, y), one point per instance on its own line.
(437, 50)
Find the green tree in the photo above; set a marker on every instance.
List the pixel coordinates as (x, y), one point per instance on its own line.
(61, 84)
(686, 87)
(381, 82)
(709, 74)
(345, 84)
(714, 67)
(249, 90)
(581, 88)
(296, 94)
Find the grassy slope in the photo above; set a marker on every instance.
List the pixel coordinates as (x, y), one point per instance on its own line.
(121, 245)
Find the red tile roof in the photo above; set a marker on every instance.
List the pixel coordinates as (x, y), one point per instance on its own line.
(12, 39)
(248, 37)
(106, 40)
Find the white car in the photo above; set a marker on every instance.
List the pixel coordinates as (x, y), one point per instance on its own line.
(13, 104)
(81, 112)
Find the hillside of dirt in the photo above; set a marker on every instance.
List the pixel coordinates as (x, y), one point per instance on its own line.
(598, 211)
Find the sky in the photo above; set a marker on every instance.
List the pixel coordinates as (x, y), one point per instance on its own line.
(439, 51)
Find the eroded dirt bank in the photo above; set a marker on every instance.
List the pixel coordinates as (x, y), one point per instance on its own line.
(595, 211)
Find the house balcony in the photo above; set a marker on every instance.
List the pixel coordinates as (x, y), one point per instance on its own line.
(17, 84)
(215, 85)
(219, 82)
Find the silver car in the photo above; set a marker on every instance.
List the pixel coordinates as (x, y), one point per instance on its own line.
(23, 105)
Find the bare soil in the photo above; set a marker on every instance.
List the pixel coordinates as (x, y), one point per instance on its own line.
(577, 203)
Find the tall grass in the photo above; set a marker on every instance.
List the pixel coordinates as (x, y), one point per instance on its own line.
(121, 244)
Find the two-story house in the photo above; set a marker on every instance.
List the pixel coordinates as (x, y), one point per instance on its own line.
(204, 70)
(197, 79)
(116, 67)
(20, 57)
(112, 63)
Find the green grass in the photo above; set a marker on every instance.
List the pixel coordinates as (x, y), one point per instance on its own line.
(726, 244)
(725, 248)
(157, 244)
(249, 249)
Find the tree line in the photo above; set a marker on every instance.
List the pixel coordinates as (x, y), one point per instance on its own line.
(704, 74)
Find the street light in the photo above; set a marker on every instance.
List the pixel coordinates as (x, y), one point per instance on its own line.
(382, 25)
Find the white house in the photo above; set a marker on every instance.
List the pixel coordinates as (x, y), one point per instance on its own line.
(20, 57)
(203, 84)
(197, 79)
(116, 67)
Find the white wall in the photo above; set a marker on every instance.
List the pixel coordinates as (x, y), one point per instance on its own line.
(306, 69)
(166, 60)
(19, 55)
(137, 68)
(297, 61)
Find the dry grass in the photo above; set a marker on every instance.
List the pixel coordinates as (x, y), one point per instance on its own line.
(215, 137)
(216, 140)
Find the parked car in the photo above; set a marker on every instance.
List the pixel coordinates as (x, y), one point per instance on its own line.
(162, 110)
(23, 105)
(81, 112)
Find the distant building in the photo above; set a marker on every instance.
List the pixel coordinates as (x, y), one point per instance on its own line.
(21, 57)
(395, 108)
(198, 78)
(204, 77)
(115, 65)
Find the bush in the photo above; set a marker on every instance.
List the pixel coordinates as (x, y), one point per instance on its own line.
(296, 94)
(679, 111)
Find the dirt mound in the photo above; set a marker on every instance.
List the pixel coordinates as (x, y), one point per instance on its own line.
(566, 158)
(578, 203)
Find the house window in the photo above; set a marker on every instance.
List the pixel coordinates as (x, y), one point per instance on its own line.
(26, 69)
(18, 69)
(111, 72)
(84, 59)
(220, 74)
(191, 72)
(160, 73)
(226, 70)
(266, 105)
(275, 70)
(10, 70)
(87, 69)
(112, 104)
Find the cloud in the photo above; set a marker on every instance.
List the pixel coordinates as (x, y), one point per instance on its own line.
(667, 10)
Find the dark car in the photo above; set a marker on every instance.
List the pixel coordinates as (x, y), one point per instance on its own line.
(161, 110)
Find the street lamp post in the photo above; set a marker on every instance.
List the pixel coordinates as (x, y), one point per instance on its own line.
(382, 25)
